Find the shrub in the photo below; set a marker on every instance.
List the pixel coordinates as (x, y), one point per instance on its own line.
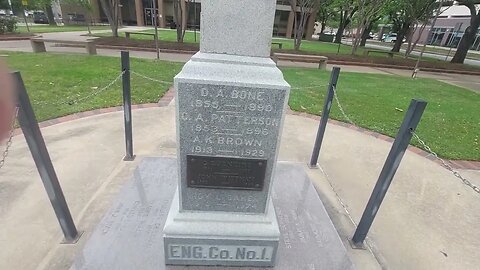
(7, 25)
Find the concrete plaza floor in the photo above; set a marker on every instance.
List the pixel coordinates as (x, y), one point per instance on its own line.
(428, 220)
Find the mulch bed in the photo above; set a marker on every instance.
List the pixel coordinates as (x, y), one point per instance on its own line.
(394, 62)
(15, 36)
(147, 44)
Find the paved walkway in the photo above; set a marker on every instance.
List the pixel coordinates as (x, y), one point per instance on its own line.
(427, 221)
(471, 82)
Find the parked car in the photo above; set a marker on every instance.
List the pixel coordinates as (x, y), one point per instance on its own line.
(390, 38)
(40, 17)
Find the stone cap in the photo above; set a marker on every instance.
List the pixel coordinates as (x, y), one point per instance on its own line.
(237, 27)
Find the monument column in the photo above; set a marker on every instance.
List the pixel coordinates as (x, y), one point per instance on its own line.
(230, 102)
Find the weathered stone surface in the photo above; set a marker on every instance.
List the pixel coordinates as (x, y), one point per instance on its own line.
(227, 108)
(237, 27)
(130, 237)
(220, 238)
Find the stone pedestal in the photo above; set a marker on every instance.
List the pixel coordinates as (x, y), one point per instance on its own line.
(219, 238)
(230, 102)
(230, 112)
(129, 235)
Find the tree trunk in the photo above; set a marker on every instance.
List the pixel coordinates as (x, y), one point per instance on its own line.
(177, 15)
(50, 16)
(111, 9)
(88, 23)
(366, 34)
(412, 47)
(467, 40)
(299, 27)
(341, 29)
(400, 35)
(322, 29)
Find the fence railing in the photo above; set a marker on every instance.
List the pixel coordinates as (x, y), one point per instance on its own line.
(25, 115)
(29, 125)
(399, 146)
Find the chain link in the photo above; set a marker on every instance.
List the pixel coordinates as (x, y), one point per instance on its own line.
(309, 87)
(445, 164)
(148, 78)
(9, 141)
(340, 106)
(71, 101)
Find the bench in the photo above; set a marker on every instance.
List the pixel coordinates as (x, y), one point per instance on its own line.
(38, 44)
(390, 54)
(279, 44)
(321, 60)
(127, 34)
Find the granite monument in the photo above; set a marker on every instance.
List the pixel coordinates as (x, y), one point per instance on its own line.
(224, 201)
(230, 101)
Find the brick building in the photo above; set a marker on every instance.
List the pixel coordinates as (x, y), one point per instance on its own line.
(139, 12)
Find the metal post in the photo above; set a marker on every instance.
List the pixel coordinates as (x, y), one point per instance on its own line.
(33, 136)
(155, 12)
(404, 135)
(195, 21)
(127, 106)
(323, 121)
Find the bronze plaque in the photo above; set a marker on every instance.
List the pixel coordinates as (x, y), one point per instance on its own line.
(229, 173)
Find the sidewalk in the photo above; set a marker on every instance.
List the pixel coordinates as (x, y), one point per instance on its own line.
(427, 221)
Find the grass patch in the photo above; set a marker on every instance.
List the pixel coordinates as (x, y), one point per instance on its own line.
(449, 125)
(307, 46)
(54, 28)
(53, 78)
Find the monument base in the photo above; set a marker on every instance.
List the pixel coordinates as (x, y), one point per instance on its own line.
(130, 234)
(220, 238)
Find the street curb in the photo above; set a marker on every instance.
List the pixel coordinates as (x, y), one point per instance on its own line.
(167, 98)
(436, 70)
(329, 62)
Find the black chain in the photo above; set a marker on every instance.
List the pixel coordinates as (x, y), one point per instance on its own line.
(9, 141)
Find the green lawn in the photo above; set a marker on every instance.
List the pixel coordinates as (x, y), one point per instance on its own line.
(52, 78)
(449, 125)
(307, 46)
(51, 28)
